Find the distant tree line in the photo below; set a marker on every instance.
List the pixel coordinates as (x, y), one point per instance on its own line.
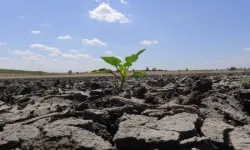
(154, 69)
(234, 68)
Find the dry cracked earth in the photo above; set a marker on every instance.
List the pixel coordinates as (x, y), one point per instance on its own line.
(187, 112)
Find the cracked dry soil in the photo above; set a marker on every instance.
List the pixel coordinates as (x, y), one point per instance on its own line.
(187, 112)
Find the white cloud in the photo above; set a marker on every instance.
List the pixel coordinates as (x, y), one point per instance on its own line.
(36, 32)
(106, 13)
(147, 42)
(124, 2)
(108, 53)
(34, 57)
(94, 42)
(64, 37)
(247, 49)
(73, 51)
(55, 52)
(70, 55)
(76, 56)
(20, 17)
(23, 53)
(2, 43)
(44, 47)
(28, 55)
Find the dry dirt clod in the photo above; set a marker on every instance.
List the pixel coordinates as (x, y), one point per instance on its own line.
(240, 138)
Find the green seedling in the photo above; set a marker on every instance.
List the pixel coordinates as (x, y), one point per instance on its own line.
(122, 68)
(245, 83)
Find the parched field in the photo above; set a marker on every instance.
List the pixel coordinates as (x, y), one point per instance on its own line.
(170, 112)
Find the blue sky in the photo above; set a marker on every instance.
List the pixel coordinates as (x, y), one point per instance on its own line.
(58, 35)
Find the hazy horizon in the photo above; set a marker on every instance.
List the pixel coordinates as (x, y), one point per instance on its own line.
(57, 36)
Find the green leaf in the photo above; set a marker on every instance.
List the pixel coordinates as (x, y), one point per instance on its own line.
(244, 81)
(137, 73)
(141, 51)
(127, 64)
(100, 71)
(133, 58)
(112, 60)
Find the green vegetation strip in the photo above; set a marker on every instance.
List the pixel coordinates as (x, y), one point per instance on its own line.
(12, 71)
